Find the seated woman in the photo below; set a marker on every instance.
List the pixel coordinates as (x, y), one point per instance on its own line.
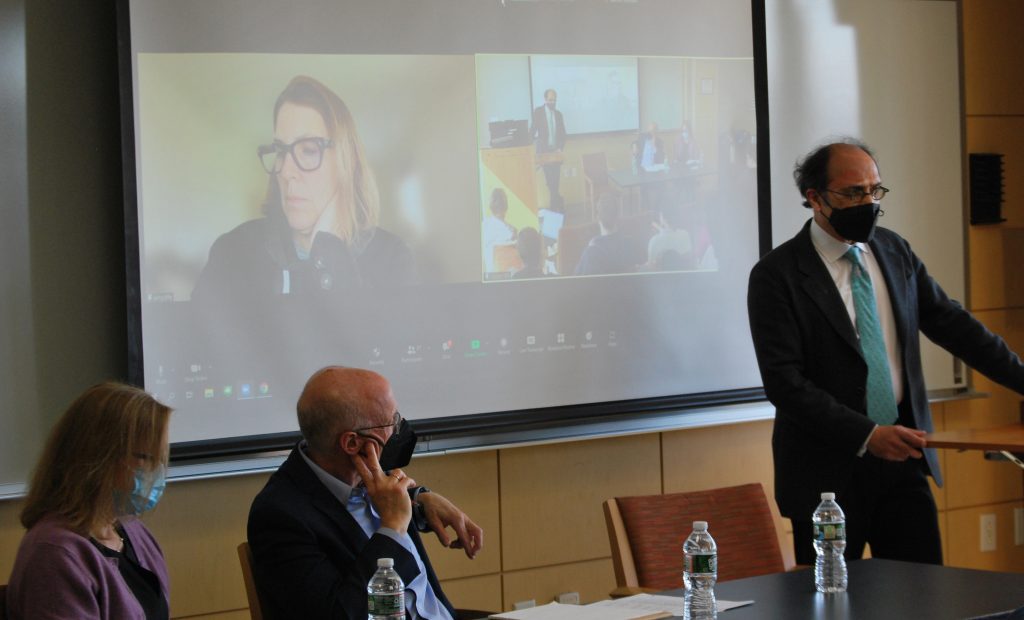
(686, 150)
(320, 231)
(86, 554)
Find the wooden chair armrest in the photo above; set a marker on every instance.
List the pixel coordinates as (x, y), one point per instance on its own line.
(624, 591)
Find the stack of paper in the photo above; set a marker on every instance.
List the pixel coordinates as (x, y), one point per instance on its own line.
(558, 611)
(639, 607)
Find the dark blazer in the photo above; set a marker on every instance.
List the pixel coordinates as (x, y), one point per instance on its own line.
(310, 557)
(246, 265)
(539, 130)
(813, 371)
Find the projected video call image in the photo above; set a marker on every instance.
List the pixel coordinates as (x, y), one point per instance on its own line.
(322, 174)
(433, 216)
(602, 165)
(305, 174)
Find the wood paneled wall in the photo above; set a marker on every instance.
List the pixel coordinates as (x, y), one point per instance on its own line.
(540, 507)
(993, 44)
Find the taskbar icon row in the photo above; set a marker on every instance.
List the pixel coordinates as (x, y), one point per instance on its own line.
(474, 348)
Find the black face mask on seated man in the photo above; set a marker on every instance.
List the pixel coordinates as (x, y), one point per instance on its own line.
(397, 452)
(856, 223)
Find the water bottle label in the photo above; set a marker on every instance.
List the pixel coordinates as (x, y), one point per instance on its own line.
(387, 604)
(701, 564)
(829, 531)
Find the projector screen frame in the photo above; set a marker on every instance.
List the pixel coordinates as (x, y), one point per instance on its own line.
(553, 420)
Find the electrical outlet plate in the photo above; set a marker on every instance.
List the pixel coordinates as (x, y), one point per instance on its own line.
(988, 532)
(524, 604)
(568, 598)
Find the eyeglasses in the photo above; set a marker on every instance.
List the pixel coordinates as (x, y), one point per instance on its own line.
(877, 193)
(307, 153)
(395, 423)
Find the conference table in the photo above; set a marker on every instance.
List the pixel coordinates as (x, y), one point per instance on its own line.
(632, 183)
(878, 589)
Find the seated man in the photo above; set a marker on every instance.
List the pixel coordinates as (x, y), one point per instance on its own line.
(531, 251)
(613, 251)
(340, 502)
(671, 248)
(496, 231)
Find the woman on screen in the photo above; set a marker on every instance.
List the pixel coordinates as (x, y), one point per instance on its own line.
(86, 554)
(320, 230)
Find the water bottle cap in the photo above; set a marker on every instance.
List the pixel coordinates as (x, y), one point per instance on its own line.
(828, 496)
(700, 525)
(385, 563)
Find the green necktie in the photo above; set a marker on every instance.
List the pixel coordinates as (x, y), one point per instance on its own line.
(881, 402)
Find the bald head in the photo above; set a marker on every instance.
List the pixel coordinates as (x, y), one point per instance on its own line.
(338, 399)
(819, 167)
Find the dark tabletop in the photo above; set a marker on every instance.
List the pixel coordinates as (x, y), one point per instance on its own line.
(881, 589)
(626, 179)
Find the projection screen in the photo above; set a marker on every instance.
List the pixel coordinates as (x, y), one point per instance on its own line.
(382, 184)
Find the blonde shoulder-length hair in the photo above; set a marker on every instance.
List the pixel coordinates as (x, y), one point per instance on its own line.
(358, 197)
(87, 456)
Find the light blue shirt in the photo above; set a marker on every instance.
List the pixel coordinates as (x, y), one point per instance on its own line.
(423, 602)
(551, 126)
(648, 157)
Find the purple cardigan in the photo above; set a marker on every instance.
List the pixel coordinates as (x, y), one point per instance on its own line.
(61, 574)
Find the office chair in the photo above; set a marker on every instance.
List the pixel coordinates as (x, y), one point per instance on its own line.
(647, 533)
(595, 180)
(251, 593)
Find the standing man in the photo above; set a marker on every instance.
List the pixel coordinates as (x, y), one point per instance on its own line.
(649, 149)
(340, 502)
(835, 314)
(548, 134)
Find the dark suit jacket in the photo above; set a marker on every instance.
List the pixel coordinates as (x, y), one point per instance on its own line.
(813, 371)
(310, 557)
(539, 130)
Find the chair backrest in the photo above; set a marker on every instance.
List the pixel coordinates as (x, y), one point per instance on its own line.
(572, 240)
(595, 168)
(506, 258)
(647, 534)
(251, 593)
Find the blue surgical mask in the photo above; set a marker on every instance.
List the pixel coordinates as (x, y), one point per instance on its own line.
(147, 488)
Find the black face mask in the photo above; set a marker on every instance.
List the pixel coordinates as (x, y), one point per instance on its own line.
(856, 223)
(397, 452)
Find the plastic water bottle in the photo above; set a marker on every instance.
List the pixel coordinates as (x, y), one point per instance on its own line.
(829, 543)
(386, 593)
(700, 571)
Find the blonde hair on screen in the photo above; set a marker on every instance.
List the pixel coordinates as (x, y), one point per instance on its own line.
(359, 197)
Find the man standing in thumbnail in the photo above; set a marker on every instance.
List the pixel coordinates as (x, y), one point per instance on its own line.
(548, 133)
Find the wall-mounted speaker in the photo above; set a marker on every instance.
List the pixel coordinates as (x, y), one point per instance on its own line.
(986, 171)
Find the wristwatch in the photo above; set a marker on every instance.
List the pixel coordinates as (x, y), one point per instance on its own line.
(419, 517)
